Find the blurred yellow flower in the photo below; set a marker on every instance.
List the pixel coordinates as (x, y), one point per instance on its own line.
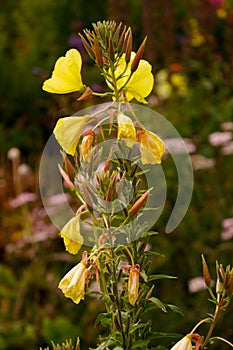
(221, 13)
(68, 131)
(163, 87)
(71, 235)
(73, 283)
(179, 81)
(141, 82)
(66, 76)
(133, 284)
(152, 147)
(184, 344)
(126, 129)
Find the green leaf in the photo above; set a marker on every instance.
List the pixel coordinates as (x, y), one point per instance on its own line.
(155, 335)
(175, 308)
(151, 253)
(144, 276)
(158, 303)
(140, 344)
(104, 319)
(160, 277)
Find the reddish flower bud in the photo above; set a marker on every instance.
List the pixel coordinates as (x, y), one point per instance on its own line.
(139, 203)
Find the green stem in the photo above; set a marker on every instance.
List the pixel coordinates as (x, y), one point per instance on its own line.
(213, 324)
(107, 221)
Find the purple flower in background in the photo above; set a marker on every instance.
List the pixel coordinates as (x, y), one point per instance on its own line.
(76, 42)
(227, 232)
(37, 71)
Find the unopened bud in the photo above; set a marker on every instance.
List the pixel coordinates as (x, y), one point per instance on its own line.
(111, 49)
(121, 40)
(111, 194)
(98, 54)
(128, 47)
(206, 273)
(138, 56)
(87, 47)
(230, 284)
(66, 178)
(139, 203)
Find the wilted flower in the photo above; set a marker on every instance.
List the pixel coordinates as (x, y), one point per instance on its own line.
(66, 76)
(141, 82)
(71, 235)
(133, 283)
(126, 129)
(152, 147)
(68, 131)
(73, 283)
(86, 146)
(184, 344)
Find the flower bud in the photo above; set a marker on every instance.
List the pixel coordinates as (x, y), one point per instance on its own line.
(206, 273)
(138, 56)
(128, 47)
(98, 54)
(139, 203)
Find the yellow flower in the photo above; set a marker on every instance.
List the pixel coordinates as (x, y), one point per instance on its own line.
(184, 344)
(141, 82)
(221, 13)
(68, 131)
(73, 283)
(152, 147)
(133, 284)
(71, 235)
(66, 76)
(126, 129)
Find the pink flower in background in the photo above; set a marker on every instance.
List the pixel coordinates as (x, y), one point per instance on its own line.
(227, 126)
(196, 284)
(219, 138)
(216, 2)
(227, 149)
(22, 198)
(227, 232)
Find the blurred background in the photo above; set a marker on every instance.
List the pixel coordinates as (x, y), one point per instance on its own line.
(190, 47)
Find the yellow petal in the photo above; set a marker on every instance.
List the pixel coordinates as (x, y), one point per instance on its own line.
(152, 148)
(68, 131)
(73, 283)
(126, 129)
(133, 285)
(66, 76)
(140, 84)
(71, 235)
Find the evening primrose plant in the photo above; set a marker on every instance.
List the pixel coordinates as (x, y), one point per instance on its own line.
(107, 154)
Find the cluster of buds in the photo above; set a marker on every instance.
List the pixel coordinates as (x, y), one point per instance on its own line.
(224, 282)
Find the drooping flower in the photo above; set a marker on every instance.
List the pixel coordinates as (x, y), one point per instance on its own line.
(152, 147)
(133, 283)
(86, 146)
(68, 131)
(141, 82)
(184, 344)
(73, 283)
(71, 235)
(126, 129)
(66, 76)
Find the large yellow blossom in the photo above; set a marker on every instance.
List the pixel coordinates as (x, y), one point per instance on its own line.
(73, 283)
(140, 84)
(126, 129)
(66, 76)
(73, 240)
(184, 344)
(152, 147)
(68, 131)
